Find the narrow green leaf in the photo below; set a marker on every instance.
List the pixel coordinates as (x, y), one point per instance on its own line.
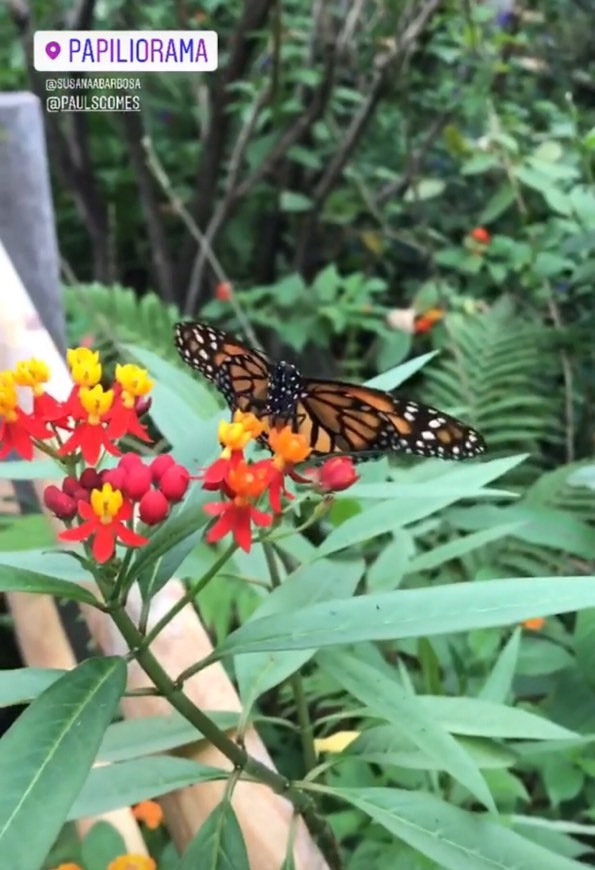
(127, 783)
(480, 718)
(23, 580)
(406, 713)
(49, 751)
(148, 735)
(414, 613)
(460, 547)
(101, 846)
(219, 844)
(20, 685)
(53, 562)
(498, 685)
(394, 377)
(453, 838)
(322, 581)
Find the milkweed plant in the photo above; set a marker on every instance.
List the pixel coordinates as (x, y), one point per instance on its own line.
(127, 517)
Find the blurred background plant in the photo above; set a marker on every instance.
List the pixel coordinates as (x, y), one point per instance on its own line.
(360, 182)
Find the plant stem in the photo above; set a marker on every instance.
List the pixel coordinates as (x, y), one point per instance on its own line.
(188, 597)
(295, 681)
(219, 739)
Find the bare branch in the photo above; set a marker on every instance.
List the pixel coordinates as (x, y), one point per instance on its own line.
(134, 132)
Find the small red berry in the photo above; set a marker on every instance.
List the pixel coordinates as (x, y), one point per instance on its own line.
(137, 481)
(160, 465)
(90, 479)
(153, 507)
(173, 483)
(59, 503)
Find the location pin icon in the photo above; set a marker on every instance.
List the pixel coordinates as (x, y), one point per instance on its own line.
(53, 49)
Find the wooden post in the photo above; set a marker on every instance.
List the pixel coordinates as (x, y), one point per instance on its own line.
(27, 225)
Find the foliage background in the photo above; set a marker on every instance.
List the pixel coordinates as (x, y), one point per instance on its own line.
(337, 165)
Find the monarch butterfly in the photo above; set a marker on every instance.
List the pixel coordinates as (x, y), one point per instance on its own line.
(334, 416)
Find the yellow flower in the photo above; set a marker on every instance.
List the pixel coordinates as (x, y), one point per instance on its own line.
(132, 862)
(335, 742)
(149, 812)
(289, 447)
(106, 502)
(134, 381)
(96, 401)
(32, 373)
(85, 367)
(8, 397)
(250, 423)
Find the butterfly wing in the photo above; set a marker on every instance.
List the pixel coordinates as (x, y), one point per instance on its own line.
(238, 372)
(339, 417)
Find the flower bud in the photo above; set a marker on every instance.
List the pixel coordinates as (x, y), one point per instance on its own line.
(173, 483)
(59, 503)
(142, 405)
(160, 465)
(335, 474)
(90, 479)
(114, 476)
(129, 460)
(70, 485)
(137, 481)
(153, 507)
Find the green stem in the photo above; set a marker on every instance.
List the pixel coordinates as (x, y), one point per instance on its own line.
(229, 748)
(295, 680)
(188, 597)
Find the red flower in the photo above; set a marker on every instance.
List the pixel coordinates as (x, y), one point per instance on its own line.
(17, 429)
(223, 291)
(245, 483)
(104, 521)
(90, 435)
(481, 235)
(132, 384)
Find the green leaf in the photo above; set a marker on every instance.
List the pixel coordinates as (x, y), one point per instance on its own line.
(49, 751)
(156, 563)
(460, 547)
(447, 835)
(20, 685)
(26, 532)
(394, 377)
(22, 580)
(480, 718)
(498, 204)
(388, 699)
(59, 564)
(290, 201)
(414, 613)
(219, 844)
(148, 735)
(322, 581)
(129, 782)
(425, 188)
(498, 685)
(101, 846)
(382, 518)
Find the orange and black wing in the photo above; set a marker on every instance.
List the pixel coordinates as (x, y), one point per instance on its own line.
(337, 417)
(238, 372)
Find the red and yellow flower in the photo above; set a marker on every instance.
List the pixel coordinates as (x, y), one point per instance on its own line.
(105, 522)
(18, 430)
(132, 384)
(90, 434)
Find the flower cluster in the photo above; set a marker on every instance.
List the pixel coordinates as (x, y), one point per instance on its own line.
(243, 485)
(101, 506)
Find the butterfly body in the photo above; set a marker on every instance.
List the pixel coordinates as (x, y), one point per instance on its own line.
(335, 417)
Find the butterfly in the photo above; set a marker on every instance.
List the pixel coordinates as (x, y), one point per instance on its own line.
(335, 417)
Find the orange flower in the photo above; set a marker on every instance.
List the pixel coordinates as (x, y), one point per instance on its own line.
(534, 624)
(481, 235)
(289, 447)
(132, 862)
(148, 812)
(428, 320)
(70, 865)
(243, 483)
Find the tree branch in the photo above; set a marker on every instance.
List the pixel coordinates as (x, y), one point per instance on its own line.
(134, 133)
